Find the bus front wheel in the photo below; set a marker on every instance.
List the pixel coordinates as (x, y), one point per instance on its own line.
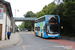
(41, 35)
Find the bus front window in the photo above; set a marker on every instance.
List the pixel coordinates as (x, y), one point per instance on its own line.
(54, 28)
(53, 24)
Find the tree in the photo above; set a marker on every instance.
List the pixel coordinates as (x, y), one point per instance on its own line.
(30, 14)
(21, 26)
(28, 25)
(47, 10)
(69, 7)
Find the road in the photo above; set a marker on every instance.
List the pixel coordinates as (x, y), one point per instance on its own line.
(31, 42)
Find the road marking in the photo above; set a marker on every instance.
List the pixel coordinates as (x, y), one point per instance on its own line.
(31, 31)
(65, 47)
(44, 48)
(58, 46)
(47, 47)
(23, 47)
(1, 46)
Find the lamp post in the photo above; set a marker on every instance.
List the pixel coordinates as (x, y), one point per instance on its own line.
(15, 11)
(6, 25)
(15, 16)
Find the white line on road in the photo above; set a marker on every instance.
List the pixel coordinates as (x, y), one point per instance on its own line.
(23, 47)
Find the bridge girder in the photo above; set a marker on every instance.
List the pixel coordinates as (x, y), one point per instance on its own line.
(24, 19)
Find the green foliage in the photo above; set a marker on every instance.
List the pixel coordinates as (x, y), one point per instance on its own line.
(47, 10)
(30, 14)
(28, 25)
(21, 26)
(69, 9)
(69, 12)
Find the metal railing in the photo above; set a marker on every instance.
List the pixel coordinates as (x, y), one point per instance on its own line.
(24, 18)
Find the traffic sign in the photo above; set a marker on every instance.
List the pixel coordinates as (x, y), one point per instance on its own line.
(1, 13)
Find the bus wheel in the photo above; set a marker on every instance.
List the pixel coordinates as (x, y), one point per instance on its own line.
(35, 34)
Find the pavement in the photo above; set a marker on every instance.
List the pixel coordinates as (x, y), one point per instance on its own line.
(15, 38)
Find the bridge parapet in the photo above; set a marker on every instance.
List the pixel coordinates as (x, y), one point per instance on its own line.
(24, 19)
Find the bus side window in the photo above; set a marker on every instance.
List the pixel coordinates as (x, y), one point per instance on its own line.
(35, 28)
(44, 28)
(38, 28)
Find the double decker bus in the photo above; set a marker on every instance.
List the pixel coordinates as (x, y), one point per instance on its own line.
(47, 26)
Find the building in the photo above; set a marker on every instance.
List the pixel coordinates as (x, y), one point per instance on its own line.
(5, 18)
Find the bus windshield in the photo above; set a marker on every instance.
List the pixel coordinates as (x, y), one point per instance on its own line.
(54, 28)
(53, 24)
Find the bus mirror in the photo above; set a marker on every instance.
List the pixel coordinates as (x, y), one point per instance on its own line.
(61, 27)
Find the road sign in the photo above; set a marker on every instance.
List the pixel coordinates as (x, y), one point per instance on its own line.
(1, 13)
(61, 27)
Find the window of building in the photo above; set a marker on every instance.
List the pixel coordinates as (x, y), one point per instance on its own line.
(0, 5)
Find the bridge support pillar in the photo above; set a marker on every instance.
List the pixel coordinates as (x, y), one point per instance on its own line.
(13, 24)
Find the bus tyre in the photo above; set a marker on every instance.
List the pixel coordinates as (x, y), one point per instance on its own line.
(35, 34)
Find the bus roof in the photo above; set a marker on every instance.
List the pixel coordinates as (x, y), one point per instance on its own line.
(44, 16)
(40, 17)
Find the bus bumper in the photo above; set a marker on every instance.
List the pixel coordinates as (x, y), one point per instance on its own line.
(47, 36)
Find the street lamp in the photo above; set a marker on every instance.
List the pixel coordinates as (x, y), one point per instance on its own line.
(15, 11)
(15, 16)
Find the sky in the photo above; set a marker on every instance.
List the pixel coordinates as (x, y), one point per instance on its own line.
(26, 5)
